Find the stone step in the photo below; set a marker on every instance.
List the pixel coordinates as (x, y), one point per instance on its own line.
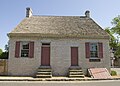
(45, 67)
(76, 76)
(44, 73)
(73, 70)
(44, 70)
(43, 76)
(76, 73)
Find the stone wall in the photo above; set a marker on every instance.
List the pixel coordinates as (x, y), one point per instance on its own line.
(3, 66)
(60, 56)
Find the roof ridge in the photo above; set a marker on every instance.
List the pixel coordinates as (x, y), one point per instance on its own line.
(58, 15)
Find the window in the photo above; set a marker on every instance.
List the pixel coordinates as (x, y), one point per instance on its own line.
(24, 49)
(93, 50)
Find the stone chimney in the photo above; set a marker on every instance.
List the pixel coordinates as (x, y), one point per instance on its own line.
(87, 14)
(28, 12)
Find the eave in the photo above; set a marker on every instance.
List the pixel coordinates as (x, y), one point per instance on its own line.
(10, 35)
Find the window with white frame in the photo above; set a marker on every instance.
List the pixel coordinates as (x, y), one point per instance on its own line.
(24, 49)
(93, 50)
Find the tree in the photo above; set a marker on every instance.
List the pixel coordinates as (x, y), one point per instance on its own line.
(1, 51)
(4, 55)
(117, 53)
(6, 48)
(113, 41)
(116, 25)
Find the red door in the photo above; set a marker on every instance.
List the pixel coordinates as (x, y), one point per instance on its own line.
(74, 56)
(45, 56)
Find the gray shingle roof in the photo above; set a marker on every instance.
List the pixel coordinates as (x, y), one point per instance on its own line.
(70, 26)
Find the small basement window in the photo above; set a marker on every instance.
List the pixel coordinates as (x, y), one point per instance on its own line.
(45, 43)
(95, 60)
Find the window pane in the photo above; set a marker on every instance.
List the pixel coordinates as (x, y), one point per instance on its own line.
(93, 50)
(25, 46)
(24, 53)
(93, 47)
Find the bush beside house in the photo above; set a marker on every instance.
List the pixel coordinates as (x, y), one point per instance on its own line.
(113, 73)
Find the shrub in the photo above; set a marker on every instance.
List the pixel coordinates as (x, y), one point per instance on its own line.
(113, 73)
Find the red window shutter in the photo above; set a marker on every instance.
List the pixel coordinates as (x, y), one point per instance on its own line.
(31, 50)
(17, 49)
(87, 49)
(100, 50)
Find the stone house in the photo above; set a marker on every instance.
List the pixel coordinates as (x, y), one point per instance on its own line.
(59, 43)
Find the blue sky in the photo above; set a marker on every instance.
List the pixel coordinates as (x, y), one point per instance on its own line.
(13, 11)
